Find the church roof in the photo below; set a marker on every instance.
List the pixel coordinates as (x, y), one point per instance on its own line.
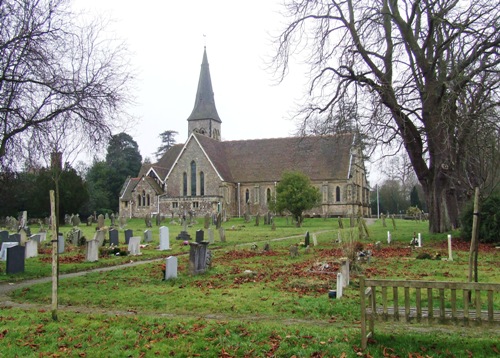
(166, 162)
(204, 105)
(128, 187)
(264, 160)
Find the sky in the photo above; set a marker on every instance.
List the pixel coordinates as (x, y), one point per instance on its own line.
(166, 40)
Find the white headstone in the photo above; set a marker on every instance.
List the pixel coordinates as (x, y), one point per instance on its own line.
(92, 250)
(31, 249)
(100, 236)
(315, 240)
(345, 270)
(389, 237)
(339, 236)
(134, 245)
(450, 254)
(148, 236)
(340, 285)
(60, 244)
(419, 240)
(164, 238)
(211, 237)
(171, 267)
(43, 236)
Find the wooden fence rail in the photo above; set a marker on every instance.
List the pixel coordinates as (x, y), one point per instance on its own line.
(433, 302)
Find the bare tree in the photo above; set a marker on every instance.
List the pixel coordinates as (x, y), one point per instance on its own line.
(54, 67)
(423, 73)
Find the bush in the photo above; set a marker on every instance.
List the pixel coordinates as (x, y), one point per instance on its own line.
(489, 220)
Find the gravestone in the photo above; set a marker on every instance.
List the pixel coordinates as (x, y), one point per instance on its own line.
(211, 238)
(113, 237)
(206, 224)
(341, 223)
(92, 253)
(183, 235)
(164, 238)
(90, 220)
(128, 235)
(100, 221)
(315, 240)
(134, 245)
(15, 259)
(171, 267)
(15, 238)
(158, 219)
(112, 218)
(147, 220)
(23, 236)
(222, 234)
(419, 240)
(273, 225)
(60, 243)
(100, 236)
(4, 247)
(4, 236)
(340, 284)
(36, 238)
(148, 236)
(75, 220)
(294, 251)
(200, 236)
(31, 249)
(75, 236)
(197, 257)
(257, 219)
(43, 236)
(389, 237)
(106, 217)
(383, 220)
(307, 240)
(344, 269)
(123, 222)
(219, 221)
(450, 253)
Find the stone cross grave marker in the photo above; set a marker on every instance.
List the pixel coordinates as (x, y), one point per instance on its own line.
(92, 253)
(113, 237)
(200, 236)
(148, 236)
(171, 267)
(31, 249)
(128, 235)
(134, 245)
(15, 259)
(164, 238)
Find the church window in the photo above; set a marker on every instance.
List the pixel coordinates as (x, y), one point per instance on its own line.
(196, 205)
(143, 198)
(184, 184)
(148, 200)
(193, 178)
(202, 183)
(247, 196)
(175, 204)
(256, 194)
(139, 200)
(268, 195)
(337, 194)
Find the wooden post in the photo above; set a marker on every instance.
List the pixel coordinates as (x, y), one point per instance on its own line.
(474, 240)
(54, 255)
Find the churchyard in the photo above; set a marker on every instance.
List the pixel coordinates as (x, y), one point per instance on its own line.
(261, 292)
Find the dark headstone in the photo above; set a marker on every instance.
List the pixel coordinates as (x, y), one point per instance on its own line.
(197, 257)
(199, 236)
(128, 234)
(307, 240)
(15, 238)
(4, 236)
(113, 237)
(15, 259)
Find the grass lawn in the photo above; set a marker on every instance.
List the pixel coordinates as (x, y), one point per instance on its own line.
(251, 303)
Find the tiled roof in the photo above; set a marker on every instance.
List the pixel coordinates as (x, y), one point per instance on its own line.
(128, 187)
(167, 161)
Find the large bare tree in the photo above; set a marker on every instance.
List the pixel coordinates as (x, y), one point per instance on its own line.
(57, 66)
(423, 75)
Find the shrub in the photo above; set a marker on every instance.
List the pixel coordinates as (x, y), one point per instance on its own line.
(489, 220)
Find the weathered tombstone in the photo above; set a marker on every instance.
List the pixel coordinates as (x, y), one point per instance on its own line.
(43, 236)
(267, 247)
(340, 284)
(393, 222)
(112, 218)
(351, 220)
(36, 238)
(15, 238)
(389, 237)
(113, 237)
(257, 219)
(147, 220)
(211, 238)
(206, 224)
(315, 240)
(123, 222)
(222, 234)
(100, 236)
(31, 249)
(219, 221)
(90, 220)
(294, 251)
(75, 220)
(158, 219)
(92, 253)
(134, 245)
(4, 236)
(128, 235)
(266, 219)
(15, 259)
(197, 257)
(75, 236)
(100, 221)
(60, 243)
(164, 238)
(171, 267)
(200, 236)
(344, 269)
(307, 241)
(148, 236)
(23, 236)
(450, 253)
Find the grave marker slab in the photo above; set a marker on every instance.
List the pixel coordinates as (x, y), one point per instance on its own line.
(171, 267)
(211, 238)
(43, 236)
(100, 236)
(148, 236)
(128, 234)
(113, 237)
(15, 259)
(340, 285)
(200, 235)
(31, 249)
(134, 245)
(315, 240)
(60, 243)
(4, 236)
(164, 238)
(92, 254)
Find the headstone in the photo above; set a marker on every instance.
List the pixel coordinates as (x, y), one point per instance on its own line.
(344, 269)
(112, 218)
(90, 220)
(4, 236)
(128, 235)
(4, 247)
(257, 219)
(211, 238)
(147, 220)
(113, 238)
(23, 236)
(307, 241)
(158, 219)
(340, 284)
(123, 222)
(99, 237)
(450, 253)
(134, 245)
(148, 236)
(31, 249)
(389, 237)
(197, 257)
(419, 240)
(75, 236)
(171, 267)
(200, 236)
(100, 221)
(75, 220)
(219, 220)
(92, 254)
(206, 224)
(294, 251)
(36, 238)
(15, 259)
(43, 236)
(315, 240)
(60, 243)
(164, 238)
(222, 234)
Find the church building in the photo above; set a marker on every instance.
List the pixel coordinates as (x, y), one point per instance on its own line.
(208, 175)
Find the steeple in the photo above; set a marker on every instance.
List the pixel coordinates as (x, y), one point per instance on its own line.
(204, 118)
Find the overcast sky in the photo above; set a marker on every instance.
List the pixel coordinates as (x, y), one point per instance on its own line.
(167, 38)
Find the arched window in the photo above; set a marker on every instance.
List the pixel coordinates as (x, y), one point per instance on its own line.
(193, 178)
(139, 200)
(268, 195)
(202, 183)
(143, 198)
(184, 184)
(247, 196)
(148, 200)
(337, 194)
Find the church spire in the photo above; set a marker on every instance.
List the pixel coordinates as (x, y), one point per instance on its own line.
(204, 105)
